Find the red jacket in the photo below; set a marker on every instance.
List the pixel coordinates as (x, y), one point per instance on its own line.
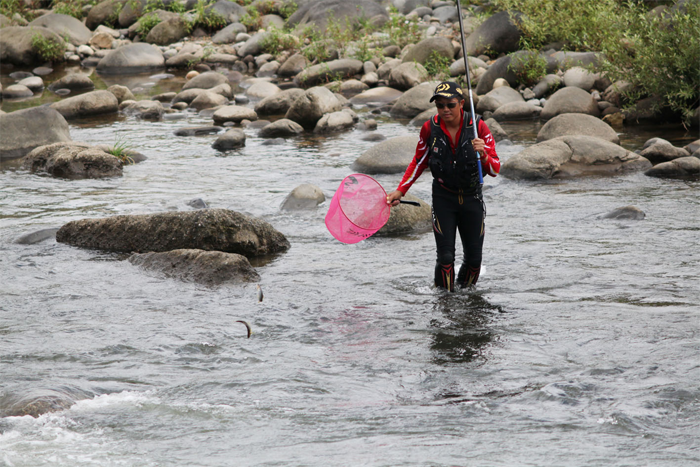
(489, 164)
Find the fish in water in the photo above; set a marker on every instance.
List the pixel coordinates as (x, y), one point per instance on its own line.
(260, 293)
(247, 326)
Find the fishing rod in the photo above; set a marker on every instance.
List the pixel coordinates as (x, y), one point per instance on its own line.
(469, 86)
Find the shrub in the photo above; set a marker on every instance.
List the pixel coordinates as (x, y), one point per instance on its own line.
(252, 19)
(400, 30)
(276, 41)
(528, 68)
(659, 56)
(438, 66)
(48, 49)
(579, 24)
(74, 9)
(288, 8)
(147, 22)
(209, 20)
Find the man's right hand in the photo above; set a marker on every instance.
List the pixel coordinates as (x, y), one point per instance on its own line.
(392, 199)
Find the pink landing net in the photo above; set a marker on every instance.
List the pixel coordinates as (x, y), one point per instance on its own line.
(358, 209)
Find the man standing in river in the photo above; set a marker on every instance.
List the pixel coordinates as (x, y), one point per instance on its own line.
(445, 147)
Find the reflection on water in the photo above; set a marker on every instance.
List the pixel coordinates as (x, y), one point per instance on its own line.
(461, 327)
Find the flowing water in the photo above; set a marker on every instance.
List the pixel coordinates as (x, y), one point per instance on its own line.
(579, 346)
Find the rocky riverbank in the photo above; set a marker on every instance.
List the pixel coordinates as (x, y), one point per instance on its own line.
(285, 73)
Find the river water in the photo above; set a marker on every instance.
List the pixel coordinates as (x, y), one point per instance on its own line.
(579, 346)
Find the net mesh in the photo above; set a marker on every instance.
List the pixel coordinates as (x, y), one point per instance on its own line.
(358, 209)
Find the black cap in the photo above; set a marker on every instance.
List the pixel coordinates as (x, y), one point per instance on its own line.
(448, 89)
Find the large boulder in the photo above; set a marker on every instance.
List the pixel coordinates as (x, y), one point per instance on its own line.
(73, 161)
(232, 139)
(87, 105)
(663, 151)
(407, 219)
(423, 50)
(570, 100)
(407, 75)
(209, 268)
(577, 124)
(74, 82)
(388, 157)
(16, 44)
(683, 168)
(333, 70)
(572, 156)
(497, 34)
(281, 128)
(204, 229)
(319, 14)
(498, 97)
(303, 197)
(308, 108)
(106, 12)
(167, 32)
(45, 125)
(234, 113)
(414, 101)
(65, 26)
(279, 103)
(131, 59)
(377, 96)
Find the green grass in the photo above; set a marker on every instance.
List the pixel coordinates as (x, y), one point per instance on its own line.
(48, 49)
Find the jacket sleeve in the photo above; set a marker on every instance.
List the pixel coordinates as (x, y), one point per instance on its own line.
(490, 164)
(420, 160)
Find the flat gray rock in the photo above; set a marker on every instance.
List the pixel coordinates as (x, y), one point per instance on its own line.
(572, 156)
(209, 268)
(204, 229)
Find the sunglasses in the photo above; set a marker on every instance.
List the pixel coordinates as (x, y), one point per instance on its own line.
(441, 105)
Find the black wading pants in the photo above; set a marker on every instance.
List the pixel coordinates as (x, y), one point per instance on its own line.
(453, 211)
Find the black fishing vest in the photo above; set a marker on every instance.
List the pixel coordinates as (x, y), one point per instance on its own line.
(455, 171)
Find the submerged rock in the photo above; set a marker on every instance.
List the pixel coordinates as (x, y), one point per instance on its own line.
(232, 139)
(281, 127)
(626, 212)
(571, 156)
(74, 82)
(39, 236)
(306, 196)
(203, 267)
(73, 161)
(45, 125)
(132, 58)
(206, 229)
